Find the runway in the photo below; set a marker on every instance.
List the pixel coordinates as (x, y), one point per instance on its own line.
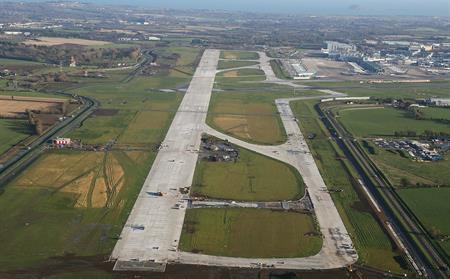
(154, 226)
(150, 237)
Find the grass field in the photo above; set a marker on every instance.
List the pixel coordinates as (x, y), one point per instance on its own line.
(436, 113)
(373, 245)
(239, 55)
(249, 233)
(241, 73)
(249, 116)
(229, 64)
(384, 122)
(12, 132)
(28, 94)
(396, 90)
(185, 64)
(431, 206)
(15, 62)
(141, 112)
(278, 70)
(360, 122)
(253, 177)
(397, 168)
(58, 206)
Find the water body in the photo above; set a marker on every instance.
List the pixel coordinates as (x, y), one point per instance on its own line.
(317, 7)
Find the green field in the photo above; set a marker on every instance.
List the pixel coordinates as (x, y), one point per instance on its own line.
(13, 62)
(436, 113)
(29, 94)
(241, 73)
(248, 116)
(141, 111)
(255, 233)
(239, 55)
(229, 64)
(373, 245)
(372, 122)
(395, 90)
(253, 177)
(186, 63)
(12, 132)
(431, 206)
(378, 122)
(278, 70)
(398, 168)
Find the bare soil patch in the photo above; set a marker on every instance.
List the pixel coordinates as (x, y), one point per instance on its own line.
(53, 41)
(15, 107)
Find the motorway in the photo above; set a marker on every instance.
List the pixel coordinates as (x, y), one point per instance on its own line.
(150, 237)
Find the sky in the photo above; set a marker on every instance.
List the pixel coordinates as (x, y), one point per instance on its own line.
(310, 7)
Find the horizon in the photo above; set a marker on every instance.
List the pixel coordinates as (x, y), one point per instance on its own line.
(300, 7)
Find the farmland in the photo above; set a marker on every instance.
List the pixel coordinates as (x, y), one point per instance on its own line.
(248, 116)
(239, 55)
(373, 245)
(253, 177)
(53, 41)
(249, 233)
(76, 202)
(431, 206)
(16, 106)
(360, 122)
(66, 207)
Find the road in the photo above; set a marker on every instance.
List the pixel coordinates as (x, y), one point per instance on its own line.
(150, 237)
